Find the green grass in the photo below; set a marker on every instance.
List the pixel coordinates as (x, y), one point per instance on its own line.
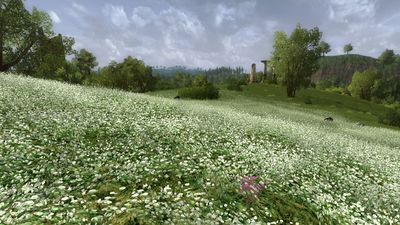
(74, 154)
(323, 103)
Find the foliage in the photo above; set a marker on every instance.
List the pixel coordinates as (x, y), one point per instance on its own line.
(85, 61)
(348, 48)
(130, 75)
(307, 100)
(295, 58)
(27, 42)
(325, 47)
(222, 74)
(387, 57)
(362, 84)
(234, 84)
(388, 87)
(178, 162)
(200, 81)
(184, 77)
(178, 80)
(391, 117)
(199, 92)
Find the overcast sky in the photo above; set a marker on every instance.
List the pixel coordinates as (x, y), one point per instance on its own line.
(210, 33)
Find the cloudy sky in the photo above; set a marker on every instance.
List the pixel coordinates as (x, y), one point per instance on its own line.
(209, 33)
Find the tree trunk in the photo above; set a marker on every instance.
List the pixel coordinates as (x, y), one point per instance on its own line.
(291, 92)
(1, 46)
(1, 50)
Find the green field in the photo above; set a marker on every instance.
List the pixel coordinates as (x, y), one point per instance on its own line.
(258, 98)
(75, 154)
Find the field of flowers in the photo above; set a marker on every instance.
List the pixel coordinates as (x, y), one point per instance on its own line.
(78, 155)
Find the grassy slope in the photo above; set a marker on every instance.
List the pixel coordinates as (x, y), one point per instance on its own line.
(343, 66)
(73, 154)
(323, 103)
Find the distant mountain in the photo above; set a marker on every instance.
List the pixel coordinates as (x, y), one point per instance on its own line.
(343, 67)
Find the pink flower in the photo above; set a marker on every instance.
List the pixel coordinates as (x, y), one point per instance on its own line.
(248, 185)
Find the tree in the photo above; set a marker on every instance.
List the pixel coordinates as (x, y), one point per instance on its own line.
(387, 88)
(27, 42)
(200, 81)
(325, 47)
(362, 84)
(19, 32)
(348, 48)
(85, 62)
(131, 75)
(295, 57)
(387, 57)
(138, 76)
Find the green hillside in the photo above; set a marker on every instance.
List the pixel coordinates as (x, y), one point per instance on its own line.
(314, 101)
(75, 154)
(343, 67)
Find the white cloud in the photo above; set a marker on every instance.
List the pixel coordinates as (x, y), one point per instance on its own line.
(142, 16)
(243, 38)
(342, 10)
(113, 47)
(177, 20)
(117, 14)
(79, 7)
(223, 13)
(54, 17)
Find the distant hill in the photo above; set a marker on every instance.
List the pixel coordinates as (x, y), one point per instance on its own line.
(343, 66)
(170, 71)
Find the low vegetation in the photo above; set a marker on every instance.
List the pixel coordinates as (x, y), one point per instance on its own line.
(79, 154)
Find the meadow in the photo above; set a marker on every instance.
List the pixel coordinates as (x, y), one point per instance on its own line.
(74, 154)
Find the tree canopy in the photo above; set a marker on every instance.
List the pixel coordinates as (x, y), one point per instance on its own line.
(26, 40)
(348, 48)
(362, 84)
(295, 57)
(131, 75)
(387, 57)
(325, 47)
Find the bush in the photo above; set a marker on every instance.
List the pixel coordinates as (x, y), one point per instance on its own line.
(202, 92)
(234, 84)
(391, 117)
(307, 101)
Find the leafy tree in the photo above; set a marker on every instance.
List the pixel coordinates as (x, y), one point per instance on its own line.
(397, 59)
(348, 48)
(138, 76)
(131, 75)
(387, 57)
(362, 84)
(19, 31)
(85, 62)
(200, 81)
(387, 88)
(325, 47)
(27, 42)
(295, 57)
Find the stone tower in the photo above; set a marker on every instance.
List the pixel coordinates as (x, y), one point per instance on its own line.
(264, 77)
(253, 77)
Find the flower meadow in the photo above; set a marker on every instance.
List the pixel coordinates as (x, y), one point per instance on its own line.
(84, 155)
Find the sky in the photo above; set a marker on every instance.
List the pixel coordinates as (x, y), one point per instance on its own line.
(211, 33)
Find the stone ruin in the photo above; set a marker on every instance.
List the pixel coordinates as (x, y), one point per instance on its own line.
(264, 77)
(253, 75)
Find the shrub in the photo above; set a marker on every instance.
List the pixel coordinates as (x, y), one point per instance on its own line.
(202, 92)
(307, 101)
(391, 117)
(234, 84)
